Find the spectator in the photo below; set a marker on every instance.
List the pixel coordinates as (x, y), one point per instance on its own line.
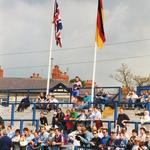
(16, 140)
(58, 140)
(40, 99)
(10, 132)
(24, 104)
(1, 123)
(5, 141)
(131, 99)
(122, 118)
(105, 138)
(52, 102)
(43, 136)
(142, 134)
(34, 143)
(69, 125)
(43, 119)
(95, 141)
(85, 138)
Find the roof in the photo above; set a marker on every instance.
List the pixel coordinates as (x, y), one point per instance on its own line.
(27, 83)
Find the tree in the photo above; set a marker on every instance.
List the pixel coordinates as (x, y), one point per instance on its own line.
(141, 81)
(124, 76)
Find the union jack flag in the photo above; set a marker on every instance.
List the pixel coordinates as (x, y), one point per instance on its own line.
(57, 24)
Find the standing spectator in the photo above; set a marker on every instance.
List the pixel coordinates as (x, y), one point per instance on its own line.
(69, 125)
(97, 117)
(5, 141)
(122, 118)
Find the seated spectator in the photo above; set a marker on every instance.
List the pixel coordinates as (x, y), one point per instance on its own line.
(24, 104)
(5, 141)
(53, 103)
(122, 141)
(23, 142)
(105, 138)
(43, 136)
(16, 140)
(40, 99)
(34, 143)
(73, 136)
(112, 140)
(142, 134)
(85, 137)
(10, 132)
(85, 101)
(1, 123)
(95, 141)
(43, 119)
(131, 99)
(58, 140)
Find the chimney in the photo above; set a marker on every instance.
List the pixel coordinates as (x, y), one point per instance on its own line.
(1, 73)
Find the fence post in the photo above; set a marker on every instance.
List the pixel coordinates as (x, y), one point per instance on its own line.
(12, 114)
(8, 95)
(148, 106)
(34, 114)
(119, 95)
(109, 127)
(136, 126)
(21, 126)
(37, 125)
(115, 112)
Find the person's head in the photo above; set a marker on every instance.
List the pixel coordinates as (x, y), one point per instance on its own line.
(68, 111)
(9, 128)
(25, 131)
(77, 78)
(57, 131)
(95, 133)
(105, 131)
(113, 135)
(42, 114)
(84, 130)
(17, 132)
(121, 110)
(146, 113)
(42, 129)
(122, 135)
(142, 130)
(86, 93)
(36, 135)
(134, 132)
(59, 110)
(79, 127)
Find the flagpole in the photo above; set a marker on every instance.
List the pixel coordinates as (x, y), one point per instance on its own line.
(50, 53)
(94, 70)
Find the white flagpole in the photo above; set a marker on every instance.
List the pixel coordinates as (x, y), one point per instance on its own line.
(50, 53)
(94, 70)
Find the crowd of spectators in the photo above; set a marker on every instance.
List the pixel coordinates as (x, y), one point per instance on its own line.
(78, 127)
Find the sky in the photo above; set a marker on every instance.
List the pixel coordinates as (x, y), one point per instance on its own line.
(25, 29)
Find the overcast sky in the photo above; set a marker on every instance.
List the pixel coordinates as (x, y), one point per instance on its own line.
(25, 28)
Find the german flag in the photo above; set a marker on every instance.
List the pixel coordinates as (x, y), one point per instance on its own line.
(100, 35)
